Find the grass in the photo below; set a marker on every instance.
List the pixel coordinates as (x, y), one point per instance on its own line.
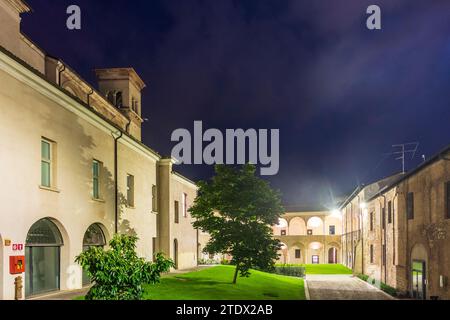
(215, 284)
(324, 268)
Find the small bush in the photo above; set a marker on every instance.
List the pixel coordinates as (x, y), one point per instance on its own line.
(384, 287)
(118, 273)
(290, 270)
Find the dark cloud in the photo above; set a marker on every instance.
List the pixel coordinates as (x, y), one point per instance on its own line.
(341, 94)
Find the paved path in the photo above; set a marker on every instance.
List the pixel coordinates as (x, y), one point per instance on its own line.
(342, 287)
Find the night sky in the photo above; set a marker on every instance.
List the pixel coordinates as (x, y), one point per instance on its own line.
(340, 94)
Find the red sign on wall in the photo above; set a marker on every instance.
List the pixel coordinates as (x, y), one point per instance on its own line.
(17, 247)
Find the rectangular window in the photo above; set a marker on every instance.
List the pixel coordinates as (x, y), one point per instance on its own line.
(184, 205)
(410, 205)
(332, 230)
(371, 221)
(46, 163)
(130, 190)
(390, 212)
(177, 211)
(298, 254)
(383, 218)
(371, 253)
(384, 254)
(447, 200)
(96, 166)
(154, 200)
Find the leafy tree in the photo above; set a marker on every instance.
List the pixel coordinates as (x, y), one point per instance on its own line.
(118, 273)
(237, 209)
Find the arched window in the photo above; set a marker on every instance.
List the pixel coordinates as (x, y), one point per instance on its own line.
(110, 97)
(94, 237)
(44, 233)
(42, 258)
(119, 99)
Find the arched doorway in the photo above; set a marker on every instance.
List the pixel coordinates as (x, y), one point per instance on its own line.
(332, 255)
(42, 258)
(93, 237)
(175, 253)
(419, 264)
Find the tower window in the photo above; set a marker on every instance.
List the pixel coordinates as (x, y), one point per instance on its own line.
(119, 99)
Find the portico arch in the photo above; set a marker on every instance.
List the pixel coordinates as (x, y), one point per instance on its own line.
(316, 225)
(281, 228)
(297, 227)
(283, 253)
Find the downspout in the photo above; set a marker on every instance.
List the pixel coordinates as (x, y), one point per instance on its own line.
(361, 236)
(393, 227)
(60, 71)
(89, 97)
(116, 186)
(351, 235)
(383, 239)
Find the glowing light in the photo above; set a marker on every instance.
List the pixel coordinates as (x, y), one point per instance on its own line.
(314, 222)
(363, 205)
(315, 245)
(336, 213)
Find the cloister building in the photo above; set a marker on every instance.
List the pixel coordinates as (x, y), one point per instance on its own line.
(309, 235)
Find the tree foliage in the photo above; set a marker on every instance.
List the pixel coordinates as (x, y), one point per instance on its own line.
(237, 209)
(118, 273)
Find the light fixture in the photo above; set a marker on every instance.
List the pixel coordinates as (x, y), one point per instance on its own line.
(336, 212)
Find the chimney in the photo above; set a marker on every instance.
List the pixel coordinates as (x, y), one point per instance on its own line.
(122, 88)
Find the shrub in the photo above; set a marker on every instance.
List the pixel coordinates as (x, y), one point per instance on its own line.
(118, 273)
(386, 288)
(290, 270)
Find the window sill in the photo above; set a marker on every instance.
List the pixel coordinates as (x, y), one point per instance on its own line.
(154, 212)
(98, 200)
(50, 189)
(130, 207)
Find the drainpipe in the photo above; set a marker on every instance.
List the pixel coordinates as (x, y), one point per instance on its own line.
(361, 235)
(351, 235)
(89, 97)
(393, 227)
(116, 186)
(383, 235)
(60, 71)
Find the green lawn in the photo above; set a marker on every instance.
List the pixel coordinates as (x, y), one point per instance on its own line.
(215, 284)
(324, 268)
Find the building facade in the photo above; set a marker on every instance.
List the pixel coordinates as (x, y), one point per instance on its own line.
(309, 235)
(397, 230)
(75, 171)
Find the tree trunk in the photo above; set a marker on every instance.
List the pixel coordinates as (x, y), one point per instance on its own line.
(236, 273)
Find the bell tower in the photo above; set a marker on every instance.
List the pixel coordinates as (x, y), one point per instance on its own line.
(122, 88)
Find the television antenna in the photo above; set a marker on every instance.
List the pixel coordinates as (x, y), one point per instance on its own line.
(403, 149)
